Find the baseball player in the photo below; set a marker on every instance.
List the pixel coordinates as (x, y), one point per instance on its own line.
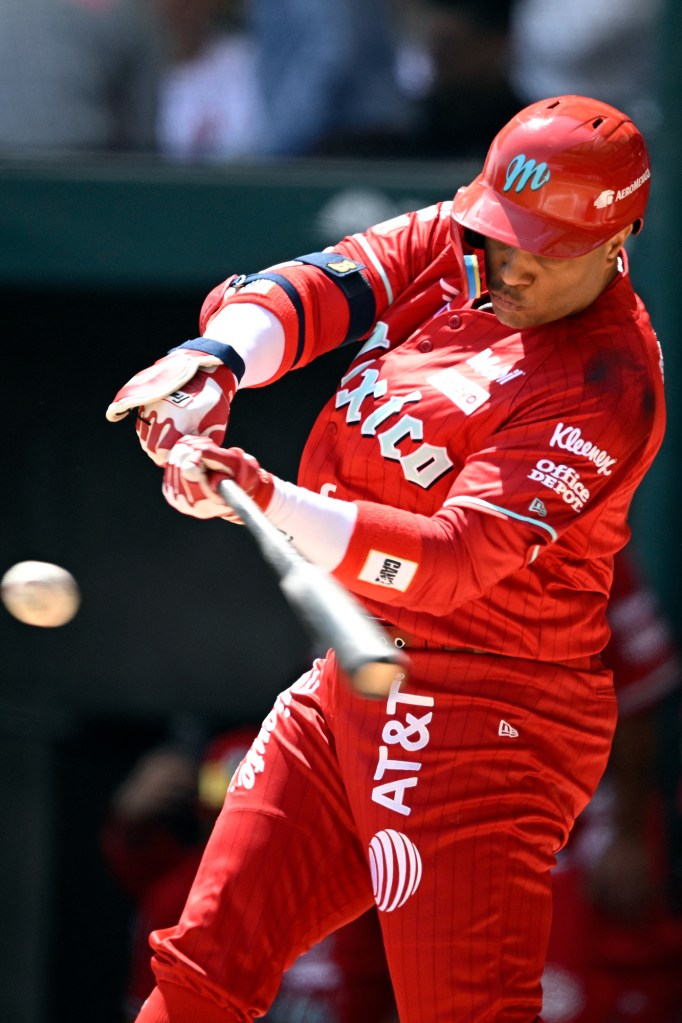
(469, 481)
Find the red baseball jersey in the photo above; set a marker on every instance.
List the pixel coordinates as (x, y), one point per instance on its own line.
(445, 413)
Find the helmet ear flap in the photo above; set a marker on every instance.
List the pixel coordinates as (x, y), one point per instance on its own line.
(473, 239)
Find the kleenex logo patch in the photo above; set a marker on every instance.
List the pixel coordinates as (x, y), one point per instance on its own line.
(570, 438)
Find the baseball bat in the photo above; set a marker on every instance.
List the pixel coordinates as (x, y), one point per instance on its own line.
(332, 617)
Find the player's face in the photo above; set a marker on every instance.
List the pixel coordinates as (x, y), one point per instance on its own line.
(527, 290)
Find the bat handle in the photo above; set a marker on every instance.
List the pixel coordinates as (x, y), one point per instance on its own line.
(332, 616)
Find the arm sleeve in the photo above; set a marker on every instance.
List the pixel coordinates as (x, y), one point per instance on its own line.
(255, 334)
(436, 563)
(441, 561)
(324, 300)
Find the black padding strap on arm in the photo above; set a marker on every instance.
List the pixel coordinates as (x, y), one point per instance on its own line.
(239, 282)
(344, 272)
(348, 276)
(225, 353)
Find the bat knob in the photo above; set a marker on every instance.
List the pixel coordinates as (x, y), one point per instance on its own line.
(376, 679)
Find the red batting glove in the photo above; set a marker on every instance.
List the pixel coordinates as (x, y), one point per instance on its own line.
(195, 468)
(186, 392)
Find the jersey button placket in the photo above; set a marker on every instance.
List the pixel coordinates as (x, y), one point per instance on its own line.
(425, 345)
(455, 321)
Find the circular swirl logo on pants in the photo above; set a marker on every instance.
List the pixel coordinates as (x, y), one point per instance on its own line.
(396, 869)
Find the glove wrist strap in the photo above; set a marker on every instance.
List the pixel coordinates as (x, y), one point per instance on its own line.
(225, 353)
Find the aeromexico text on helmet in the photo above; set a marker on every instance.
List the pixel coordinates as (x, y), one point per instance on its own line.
(609, 195)
(523, 170)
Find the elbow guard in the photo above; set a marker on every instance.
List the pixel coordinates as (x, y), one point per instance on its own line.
(347, 275)
(293, 296)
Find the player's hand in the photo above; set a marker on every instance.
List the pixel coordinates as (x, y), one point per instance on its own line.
(195, 469)
(186, 392)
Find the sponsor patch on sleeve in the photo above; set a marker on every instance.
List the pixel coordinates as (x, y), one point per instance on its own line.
(386, 570)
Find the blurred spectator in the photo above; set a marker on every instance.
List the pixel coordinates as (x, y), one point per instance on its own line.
(468, 97)
(601, 48)
(615, 952)
(152, 841)
(210, 104)
(77, 75)
(327, 76)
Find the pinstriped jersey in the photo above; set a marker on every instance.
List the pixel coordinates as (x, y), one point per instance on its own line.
(533, 427)
(447, 414)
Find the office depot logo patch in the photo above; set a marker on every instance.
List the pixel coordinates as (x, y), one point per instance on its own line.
(564, 480)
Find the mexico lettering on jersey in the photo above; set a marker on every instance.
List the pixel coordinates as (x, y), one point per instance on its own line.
(444, 412)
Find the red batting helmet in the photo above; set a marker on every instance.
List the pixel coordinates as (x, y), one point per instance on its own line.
(560, 179)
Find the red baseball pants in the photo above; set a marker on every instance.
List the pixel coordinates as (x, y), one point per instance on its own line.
(444, 803)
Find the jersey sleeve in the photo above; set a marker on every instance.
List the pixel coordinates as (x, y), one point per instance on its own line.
(326, 299)
(559, 468)
(432, 564)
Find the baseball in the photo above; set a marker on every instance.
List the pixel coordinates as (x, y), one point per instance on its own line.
(39, 593)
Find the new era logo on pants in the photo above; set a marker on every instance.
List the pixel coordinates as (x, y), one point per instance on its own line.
(507, 730)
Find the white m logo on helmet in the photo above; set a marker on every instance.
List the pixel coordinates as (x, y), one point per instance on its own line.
(396, 869)
(521, 171)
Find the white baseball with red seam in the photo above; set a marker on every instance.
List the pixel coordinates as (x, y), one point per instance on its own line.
(40, 593)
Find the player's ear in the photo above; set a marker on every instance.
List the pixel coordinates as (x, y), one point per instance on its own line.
(616, 243)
